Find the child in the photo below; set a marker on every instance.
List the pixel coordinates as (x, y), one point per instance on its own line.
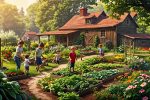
(100, 50)
(18, 55)
(57, 57)
(38, 56)
(26, 64)
(73, 58)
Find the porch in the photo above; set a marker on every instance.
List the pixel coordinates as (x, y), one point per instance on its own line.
(65, 37)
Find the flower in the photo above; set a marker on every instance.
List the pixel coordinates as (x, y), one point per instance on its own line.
(143, 84)
(129, 87)
(145, 98)
(129, 81)
(142, 91)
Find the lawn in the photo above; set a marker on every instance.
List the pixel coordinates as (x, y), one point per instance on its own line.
(12, 67)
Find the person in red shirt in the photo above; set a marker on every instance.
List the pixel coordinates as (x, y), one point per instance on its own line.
(73, 58)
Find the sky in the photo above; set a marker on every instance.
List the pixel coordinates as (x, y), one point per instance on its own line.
(21, 3)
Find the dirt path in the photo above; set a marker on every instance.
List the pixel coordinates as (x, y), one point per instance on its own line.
(31, 86)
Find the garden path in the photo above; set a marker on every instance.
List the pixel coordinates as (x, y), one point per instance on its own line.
(30, 85)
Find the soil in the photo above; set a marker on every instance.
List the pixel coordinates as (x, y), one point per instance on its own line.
(30, 85)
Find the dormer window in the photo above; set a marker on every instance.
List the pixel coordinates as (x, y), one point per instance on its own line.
(88, 21)
(91, 20)
(127, 22)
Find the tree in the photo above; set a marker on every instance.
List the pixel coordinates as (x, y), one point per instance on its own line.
(21, 11)
(10, 19)
(30, 18)
(142, 7)
(51, 14)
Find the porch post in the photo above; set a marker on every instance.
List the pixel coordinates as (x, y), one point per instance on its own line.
(48, 38)
(67, 40)
(39, 39)
(133, 47)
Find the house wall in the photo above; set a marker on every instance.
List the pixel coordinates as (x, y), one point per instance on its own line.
(110, 35)
(71, 37)
(126, 27)
(142, 43)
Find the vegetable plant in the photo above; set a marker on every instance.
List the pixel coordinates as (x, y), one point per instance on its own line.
(101, 75)
(74, 83)
(11, 90)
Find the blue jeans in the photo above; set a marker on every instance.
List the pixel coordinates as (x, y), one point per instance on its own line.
(18, 62)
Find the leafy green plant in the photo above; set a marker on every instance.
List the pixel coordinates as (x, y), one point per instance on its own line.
(63, 72)
(11, 90)
(83, 66)
(74, 83)
(44, 82)
(68, 96)
(101, 75)
(107, 66)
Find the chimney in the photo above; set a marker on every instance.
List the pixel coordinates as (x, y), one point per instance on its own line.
(83, 11)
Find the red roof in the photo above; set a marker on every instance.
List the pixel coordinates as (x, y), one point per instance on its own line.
(133, 14)
(138, 36)
(79, 22)
(64, 32)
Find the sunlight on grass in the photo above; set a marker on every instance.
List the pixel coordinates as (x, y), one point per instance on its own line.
(12, 67)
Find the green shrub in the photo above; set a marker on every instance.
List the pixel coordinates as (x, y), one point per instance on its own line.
(120, 49)
(44, 83)
(10, 36)
(34, 45)
(96, 41)
(11, 90)
(109, 45)
(81, 40)
(140, 65)
(105, 49)
(68, 96)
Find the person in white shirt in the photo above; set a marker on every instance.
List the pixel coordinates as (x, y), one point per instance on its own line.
(38, 56)
(18, 55)
(27, 64)
(100, 50)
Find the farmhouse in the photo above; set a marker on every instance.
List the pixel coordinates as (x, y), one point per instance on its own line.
(95, 24)
(30, 35)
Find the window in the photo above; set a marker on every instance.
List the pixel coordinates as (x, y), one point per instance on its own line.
(103, 33)
(127, 22)
(88, 21)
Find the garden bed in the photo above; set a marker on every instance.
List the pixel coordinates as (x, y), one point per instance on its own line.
(18, 77)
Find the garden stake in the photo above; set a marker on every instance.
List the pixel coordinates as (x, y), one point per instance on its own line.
(0, 55)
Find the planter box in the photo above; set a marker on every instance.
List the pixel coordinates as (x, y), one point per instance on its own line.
(19, 77)
(111, 78)
(90, 90)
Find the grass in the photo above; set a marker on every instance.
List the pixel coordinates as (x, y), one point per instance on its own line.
(12, 67)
